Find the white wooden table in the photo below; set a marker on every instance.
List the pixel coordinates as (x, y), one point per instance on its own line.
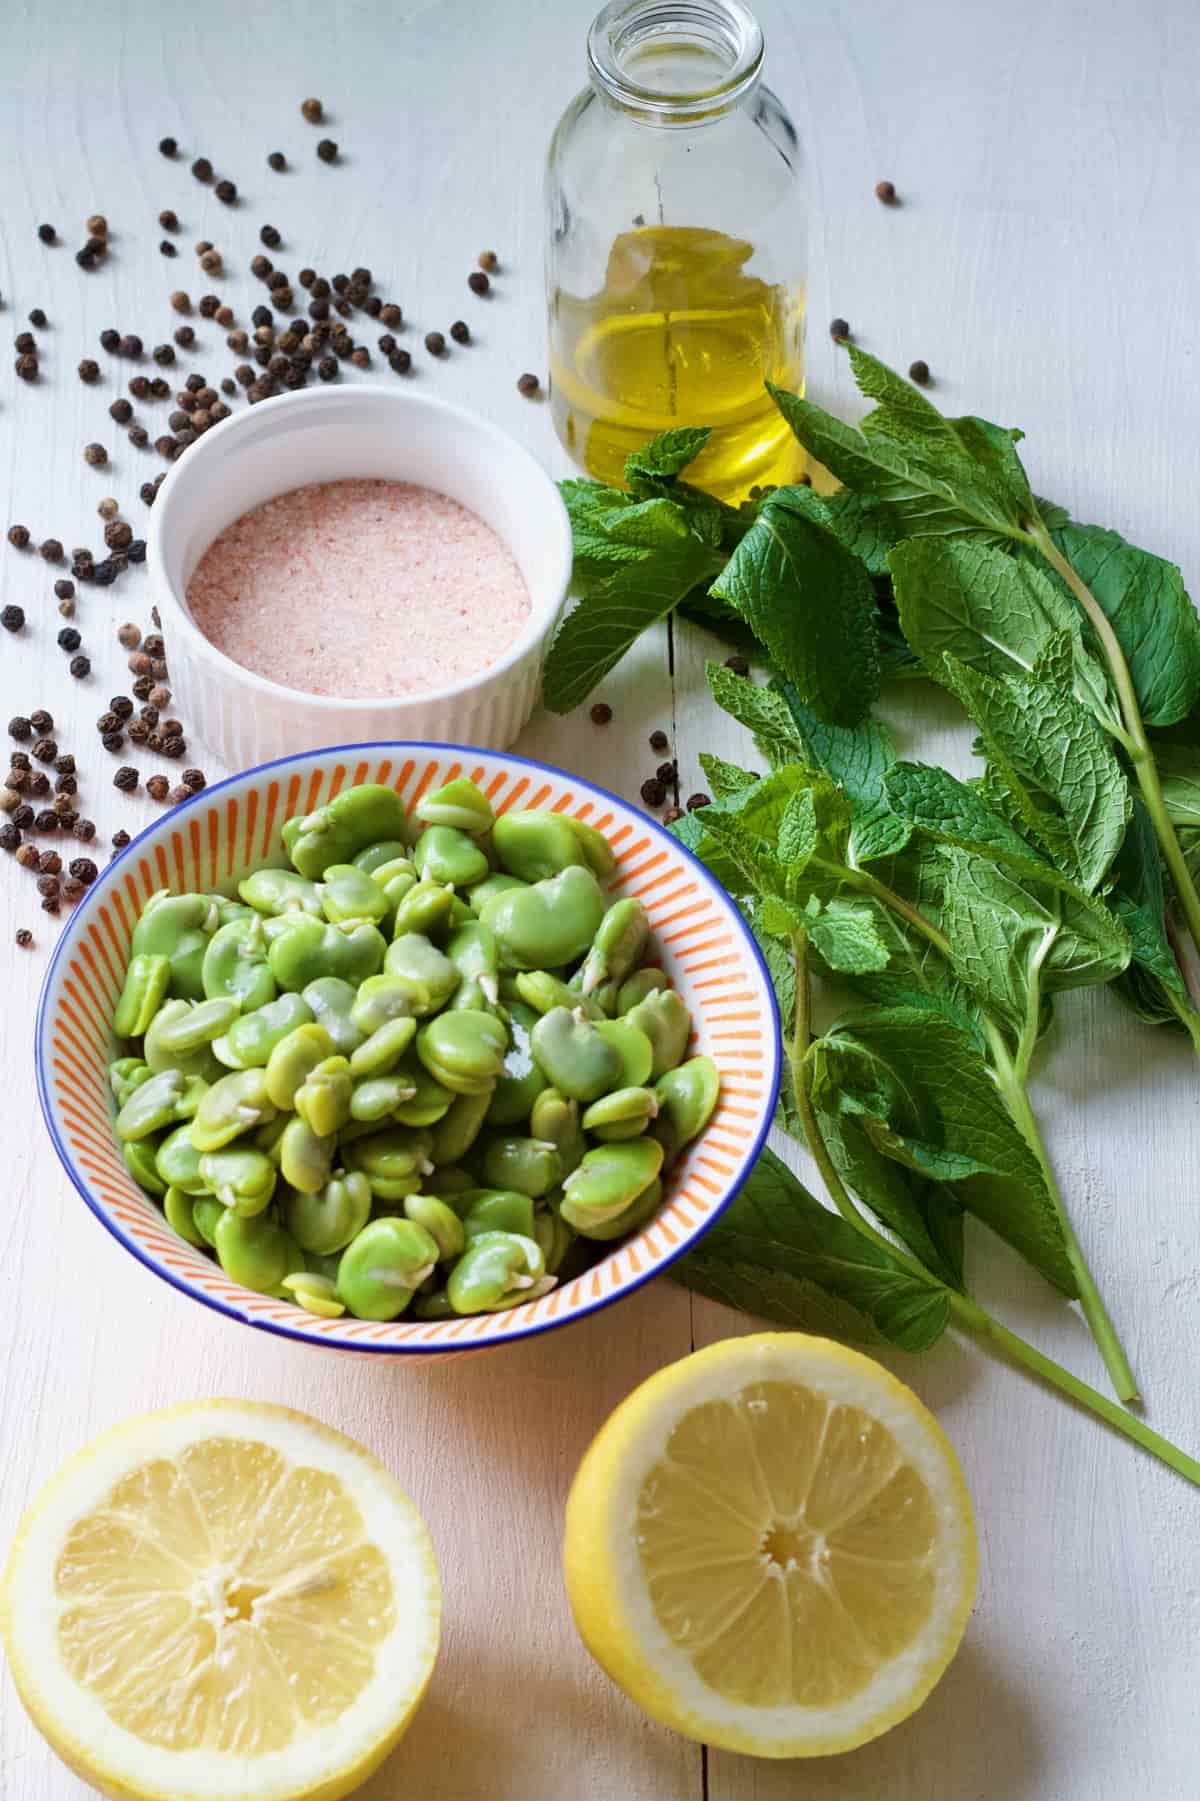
(1045, 262)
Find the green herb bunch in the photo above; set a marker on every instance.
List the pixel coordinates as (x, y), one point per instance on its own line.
(951, 911)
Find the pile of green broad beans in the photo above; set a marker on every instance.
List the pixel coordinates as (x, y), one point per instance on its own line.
(420, 1069)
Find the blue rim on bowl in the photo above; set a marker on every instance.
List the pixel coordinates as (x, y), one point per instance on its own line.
(333, 764)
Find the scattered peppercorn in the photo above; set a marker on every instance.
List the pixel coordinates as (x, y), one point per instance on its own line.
(37, 319)
(313, 111)
(18, 537)
(48, 885)
(839, 330)
(694, 801)
(478, 282)
(601, 713)
(118, 534)
(139, 387)
(112, 740)
(226, 192)
(435, 343)
(653, 792)
(173, 747)
(80, 666)
(528, 384)
(24, 936)
(10, 836)
(25, 342)
(168, 147)
(84, 830)
(39, 783)
(327, 150)
(659, 740)
(158, 787)
(139, 731)
(487, 259)
(390, 314)
(27, 367)
(49, 863)
(886, 191)
(460, 331)
(12, 618)
(84, 870)
(194, 780)
(20, 728)
(919, 372)
(120, 839)
(28, 856)
(738, 665)
(277, 161)
(47, 234)
(126, 778)
(372, 306)
(86, 258)
(211, 264)
(327, 368)
(41, 721)
(361, 357)
(69, 638)
(202, 169)
(95, 455)
(47, 820)
(668, 772)
(672, 814)
(97, 226)
(270, 237)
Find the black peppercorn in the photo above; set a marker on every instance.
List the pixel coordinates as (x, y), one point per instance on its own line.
(12, 618)
(66, 784)
(20, 728)
(173, 747)
(919, 372)
(131, 346)
(112, 740)
(86, 258)
(39, 783)
(51, 550)
(194, 780)
(166, 248)
(695, 801)
(487, 259)
(372, 306)
(839, 330)
(120, 839)
(885, 191)
(277, 161)
(47, 234)
(528, 384)
(327, 150)
(84, 830)
(435, 343)
(10, 836)
(84, 870)
(24, 342)
(460, 331)
(126, 778)
(80, 666)
(24, 936)
(95, 455)
(202, 169)
(668, 772)
(327, 368)
(601, 713)
(69, 638)
(120, 410)
(47, 821)
(226, 192)
(27, 367)
(89, 371)
(659, 740)
(42, 721)
(653, 792)
(158, 787)
(168, 147)
(18, 537)
(277, 281)
(478, 282)
(137, 551)
(166, 447)
(361, 357)
(270, 237)
(64, 765)
(49, 863)
(139, 387)
(313, 111)
(138, 730)
(48, 885)
(391, 315)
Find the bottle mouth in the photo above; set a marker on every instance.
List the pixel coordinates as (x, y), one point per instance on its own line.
(675, 60)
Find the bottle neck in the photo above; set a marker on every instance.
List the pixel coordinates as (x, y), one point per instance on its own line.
(675, 62)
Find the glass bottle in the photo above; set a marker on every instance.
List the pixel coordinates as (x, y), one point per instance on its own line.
(675, 263)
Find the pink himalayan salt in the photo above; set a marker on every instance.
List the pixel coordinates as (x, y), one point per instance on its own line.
(360, 589)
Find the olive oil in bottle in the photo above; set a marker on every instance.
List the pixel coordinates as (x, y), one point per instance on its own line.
(682, 332)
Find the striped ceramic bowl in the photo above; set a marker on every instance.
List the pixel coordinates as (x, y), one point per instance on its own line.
(213, 840)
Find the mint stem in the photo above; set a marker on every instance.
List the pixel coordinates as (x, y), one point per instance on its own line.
(967, 1314)
(982, 1326)
(1138, 745)
(1090, 1299)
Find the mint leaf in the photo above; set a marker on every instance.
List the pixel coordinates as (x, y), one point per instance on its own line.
(1057, 764)
(810, 603)
(1153, 984)
(1149, 609)
(951, 812)
(994, 612)
(617, 607)
(940, 477)
(777, 1252)
(916, 1084)
(857, 758)
(668, 454)
(1013, 943)
(763, 711)
(845, 934)
(895, 1194)
(725, 778)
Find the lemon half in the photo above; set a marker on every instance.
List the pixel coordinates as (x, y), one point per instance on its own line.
(223, 1599)
(770, 1547)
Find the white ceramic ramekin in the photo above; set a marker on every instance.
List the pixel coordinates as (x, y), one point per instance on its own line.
(325, 435)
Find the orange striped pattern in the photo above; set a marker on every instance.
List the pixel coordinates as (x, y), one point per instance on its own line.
(702, 942)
